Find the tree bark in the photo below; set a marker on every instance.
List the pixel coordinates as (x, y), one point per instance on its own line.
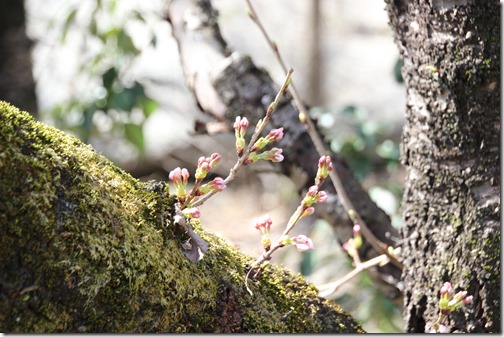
(16, 80)
(451, 150)
(226, 85)
(88, 248)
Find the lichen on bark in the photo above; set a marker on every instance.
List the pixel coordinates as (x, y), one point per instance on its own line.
(86, 247)
(451, 150)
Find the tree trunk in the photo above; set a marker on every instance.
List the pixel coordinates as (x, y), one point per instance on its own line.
(451, 150)
(88, 248)
(16, 80)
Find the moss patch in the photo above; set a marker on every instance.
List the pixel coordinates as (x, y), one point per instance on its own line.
(86, 247)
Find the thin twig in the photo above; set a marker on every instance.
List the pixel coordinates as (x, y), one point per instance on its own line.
(359, 267)
(259, 128)
(319, 146)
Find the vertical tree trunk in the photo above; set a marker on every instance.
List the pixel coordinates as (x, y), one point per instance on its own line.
(451, 150)
(16, 80)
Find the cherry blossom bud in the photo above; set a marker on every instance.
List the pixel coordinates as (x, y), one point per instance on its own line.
(192, 213)
(308, 211)
(321, 197)
(275, 135)
(179, 177)
(446, 288)
(216, 185)
(275, 155)
(314, 196)
(240, 126)
(215, 159)
(302, 243)
(312, 191)
(324, 166)
(263, 224)
(356, 229)
(460, 296)
(205, 165)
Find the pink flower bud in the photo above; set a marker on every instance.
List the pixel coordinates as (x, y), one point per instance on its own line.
(218, 184)
(356, 229)
(459, 296)
(446, 288)
(312, 191)
(185, 175)
(302, 243)
(308, 211)
(205, 165)
(275, 155)
(179, 178)
(240, 125)
(321, 197)
(275, 135)
(468, 299)
(175, 176)
(324, 166)
(215, 159)
(192, 213)
(263, 224)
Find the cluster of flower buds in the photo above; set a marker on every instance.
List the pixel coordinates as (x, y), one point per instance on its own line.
(273, 135)
(205, 165)
(179, 178)
(240, 126)
(314, 196)
(302, 242)
(449, 302)
(263, 225)
(324, 167)
(274, 155)
(353, 244)
(216, 185)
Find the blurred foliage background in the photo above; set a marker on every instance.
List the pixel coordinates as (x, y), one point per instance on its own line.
(108, 72)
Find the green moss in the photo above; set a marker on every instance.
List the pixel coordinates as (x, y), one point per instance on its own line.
(96, 251)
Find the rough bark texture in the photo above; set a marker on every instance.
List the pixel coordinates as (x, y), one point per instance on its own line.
(227, 84)
(86, 247)
(451, 149)
(16, 79)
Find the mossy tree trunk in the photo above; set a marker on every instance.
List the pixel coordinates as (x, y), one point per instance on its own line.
(86, 247)
(16, 80)
(451, 149)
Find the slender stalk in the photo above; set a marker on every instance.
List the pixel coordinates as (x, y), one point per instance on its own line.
(359, 267)
(259, 128)
(320, 147)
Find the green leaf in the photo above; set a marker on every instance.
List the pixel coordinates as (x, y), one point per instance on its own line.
(134, 134)
(109, 78)
(125, 43)
(123, 100)
(70, 19)
(148, 106)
